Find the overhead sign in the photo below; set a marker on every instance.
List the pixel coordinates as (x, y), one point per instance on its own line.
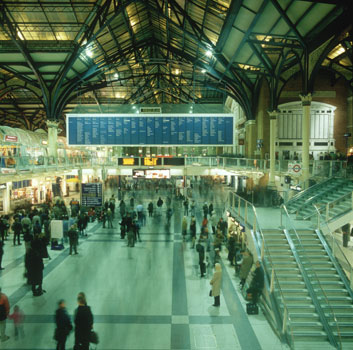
(128, 161)
(92, 194)
(10, 138)
(161, 129)
(295, 168)
(150, 161)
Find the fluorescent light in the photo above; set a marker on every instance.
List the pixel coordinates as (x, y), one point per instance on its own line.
(89, 53)
(209, 53)
(19, 34)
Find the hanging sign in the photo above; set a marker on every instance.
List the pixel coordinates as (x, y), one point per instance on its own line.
(10, 138)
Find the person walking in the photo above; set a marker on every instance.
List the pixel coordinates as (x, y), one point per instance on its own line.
(110, 218)
(63, 325)
(184, 228)
(186, 207)
(159, 205)
(122, 208)
(34, 265)
(214, 221)
(1, 253)
(216, 283)
(17, 231)
(18, 317)
(201, 250)
(193, 231)
(83, 323)
(4, 313)
(150, 209)
(73, 238)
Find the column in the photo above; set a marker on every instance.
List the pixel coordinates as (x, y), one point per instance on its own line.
(52, 138)
(273, 135)
(250, 138)
(350, 119)
(260, 131)
(306, 103)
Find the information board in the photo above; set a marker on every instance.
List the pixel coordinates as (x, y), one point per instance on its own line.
(138, 129)
(92, 195)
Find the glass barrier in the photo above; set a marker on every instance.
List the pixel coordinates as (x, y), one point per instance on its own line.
(247, 212)
(335, 246)
(322, 304)
(322, 168)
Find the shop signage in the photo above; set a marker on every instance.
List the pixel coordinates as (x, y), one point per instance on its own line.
(10, 138)
(92, 194)
(2, 186)
(8, 171)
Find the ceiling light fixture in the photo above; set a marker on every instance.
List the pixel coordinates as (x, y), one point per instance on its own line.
(116, 75)
(203, 70)
(209, 53)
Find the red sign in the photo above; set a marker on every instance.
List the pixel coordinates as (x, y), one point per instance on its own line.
(10, 138)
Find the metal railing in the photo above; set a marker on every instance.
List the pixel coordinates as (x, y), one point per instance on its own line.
(247, 212)
(326, 209)
(335, 247)
(18, 164)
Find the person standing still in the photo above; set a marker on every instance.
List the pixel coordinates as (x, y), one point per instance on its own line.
(83, 324)
(4, 313)
(73, 238)
(63, 325)
(216, 283)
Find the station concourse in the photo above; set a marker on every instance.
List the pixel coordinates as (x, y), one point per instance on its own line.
(235, 115)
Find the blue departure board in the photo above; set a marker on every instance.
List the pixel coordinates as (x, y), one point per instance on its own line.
(139, 129)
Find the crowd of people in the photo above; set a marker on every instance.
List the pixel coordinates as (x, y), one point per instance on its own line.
(204, 228)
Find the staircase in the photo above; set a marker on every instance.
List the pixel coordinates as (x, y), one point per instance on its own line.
(305, 322)
(335, 192)
(330, 278)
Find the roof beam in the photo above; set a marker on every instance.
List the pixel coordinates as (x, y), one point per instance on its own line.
(232, 13)
(283, 14)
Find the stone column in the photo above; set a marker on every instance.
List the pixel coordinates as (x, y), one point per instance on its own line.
(306, 103)
(273, 135)
(250, 138)
(52, 138)
(350, 119)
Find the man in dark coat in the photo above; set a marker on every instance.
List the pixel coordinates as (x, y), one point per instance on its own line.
(34, 265)
(73, 238)
(257, 283)
(201, 250)
(83, 324)
(17, 230)
(63, 325)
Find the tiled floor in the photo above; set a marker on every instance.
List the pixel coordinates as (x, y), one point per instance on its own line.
(146, 297)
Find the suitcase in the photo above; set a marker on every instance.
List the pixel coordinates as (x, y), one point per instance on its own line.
(252, 309)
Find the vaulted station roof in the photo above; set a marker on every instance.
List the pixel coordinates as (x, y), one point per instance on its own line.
(55, 55)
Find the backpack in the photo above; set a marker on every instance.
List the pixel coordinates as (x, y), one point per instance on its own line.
(3, 314)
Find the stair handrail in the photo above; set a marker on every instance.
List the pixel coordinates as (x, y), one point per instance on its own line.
(314, 198)
(326, 206)
(285, 326)
(310, 287)
(331, 249)
(308, 190)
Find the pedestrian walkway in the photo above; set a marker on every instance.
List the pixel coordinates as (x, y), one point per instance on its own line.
(146, 297)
